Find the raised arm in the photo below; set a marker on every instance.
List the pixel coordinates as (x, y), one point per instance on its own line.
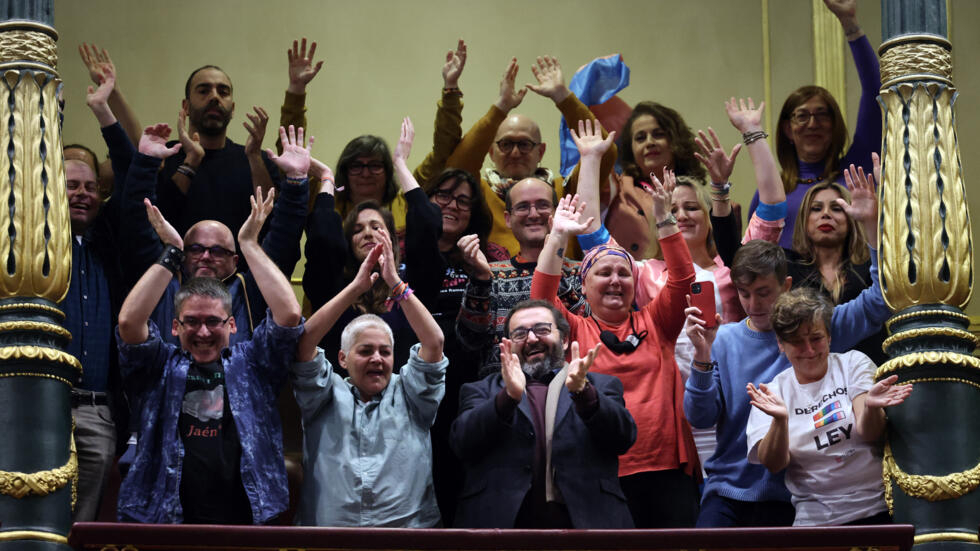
(774, 447)
(419, 319)
(302, 69)
(399, 158)
(193, 153)
(281, 241)
(864, 199)
(566, 221)
(591, 147)
(275, 288)
(98, 62)
(747, 119)
(253, 148)
(141, 301)
(719, 165)
(448, 131)
(322, 321)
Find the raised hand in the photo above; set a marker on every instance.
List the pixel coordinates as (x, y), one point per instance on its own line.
(366, 276)
(96, 61)
(511, 372)
(455, 61)
(569, 211)
(320, 172)
(551, 83)
(589, 140)
(864, 198)
(702, 336)
(510, 98)
(261, 207)
(843, 9)
(256, 130)
(301, 67)
(474, 260)
(745, 117)
(886, 393)
(154, 142)
(389, 268)
(578, 368)
(876, 166)
(662, 193)
(714, 158)
(193, 149)
(295, 158)
(100, 96)
(767, 401)
(404, 147)
(165, 231)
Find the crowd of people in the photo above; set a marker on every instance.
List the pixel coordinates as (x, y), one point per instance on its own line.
(463, 363)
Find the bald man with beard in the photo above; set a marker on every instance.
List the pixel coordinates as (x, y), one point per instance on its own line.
(515, 144)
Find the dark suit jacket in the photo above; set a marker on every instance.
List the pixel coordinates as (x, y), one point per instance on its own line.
(498, 456)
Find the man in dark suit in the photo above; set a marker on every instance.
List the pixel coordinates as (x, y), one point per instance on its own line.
(538, 455)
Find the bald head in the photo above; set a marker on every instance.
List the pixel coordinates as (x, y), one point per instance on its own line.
(517, 148)
(210, 249)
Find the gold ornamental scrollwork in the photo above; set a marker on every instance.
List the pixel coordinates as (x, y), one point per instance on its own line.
(910, 334)
(39, 353)
(926, 358)
(927, 487)
(926, 248)
(38, 326)
(922, 57)
(32, 43)
(909, 315)
(42, 483)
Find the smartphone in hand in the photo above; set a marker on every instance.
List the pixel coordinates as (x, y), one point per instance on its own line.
(703, 297)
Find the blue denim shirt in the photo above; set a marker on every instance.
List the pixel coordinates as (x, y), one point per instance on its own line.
(88, 315)
(254, 371)
(368, 463)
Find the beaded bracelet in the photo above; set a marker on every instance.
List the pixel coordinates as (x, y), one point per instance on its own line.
(398, 289)
(405, 292)
(186, 170)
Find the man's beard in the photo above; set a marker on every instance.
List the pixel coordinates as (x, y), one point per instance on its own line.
(207, 124)
(541, 366)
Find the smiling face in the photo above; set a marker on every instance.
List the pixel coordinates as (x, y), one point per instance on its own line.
(450, 199)
(530, 226)
(209, 103)
(204, 344)
(218, 258)
(807, 350)
(826, 222)
(609, 288)
(367, 232)
(83, 195)
(538, 354)
(811, 138)
(651, 146)
(369, 361)
(758, 297)
(692, 220)
(510, 162)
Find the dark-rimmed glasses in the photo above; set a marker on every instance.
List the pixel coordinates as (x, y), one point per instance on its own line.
(444, 198)
(542, 329)
(193, 324)
(524, 146)
(216, 251)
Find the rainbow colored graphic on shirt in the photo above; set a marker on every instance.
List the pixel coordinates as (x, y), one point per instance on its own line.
(823, 417)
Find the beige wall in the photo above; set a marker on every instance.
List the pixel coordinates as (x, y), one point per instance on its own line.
(383, 59)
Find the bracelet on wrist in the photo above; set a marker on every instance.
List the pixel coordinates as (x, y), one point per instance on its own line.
(172, 259)
(748, 138)
(452, 90)
(187, 170)
(399, 292)
(292, 180)
(669, 221)
(704, 366)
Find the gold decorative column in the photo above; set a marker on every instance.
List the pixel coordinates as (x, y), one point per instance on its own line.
(932, 459)
(38, 466)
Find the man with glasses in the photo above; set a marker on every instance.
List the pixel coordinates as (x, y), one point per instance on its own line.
(210, 447)
(515, 144)
(493, 289)
(538, 455)
(209, 245)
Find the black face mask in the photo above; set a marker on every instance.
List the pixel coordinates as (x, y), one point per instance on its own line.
(627, 346)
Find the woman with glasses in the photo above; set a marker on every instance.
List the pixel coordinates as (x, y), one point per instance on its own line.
(439, 215)
(812, 132)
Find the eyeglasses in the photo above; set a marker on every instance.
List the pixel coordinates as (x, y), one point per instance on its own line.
(444, 198)
(193, 324)
(803, 117)
(524, 146)
(216, 251)
(520, 334)
(543, 207)
(374, 167)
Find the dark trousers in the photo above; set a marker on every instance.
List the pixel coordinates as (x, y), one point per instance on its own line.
(661, 499)
(723, 512)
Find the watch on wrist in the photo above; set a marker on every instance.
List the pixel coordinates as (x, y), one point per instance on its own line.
(669, 221)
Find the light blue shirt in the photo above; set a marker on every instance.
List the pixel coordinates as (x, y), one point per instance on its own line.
(368, 463)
